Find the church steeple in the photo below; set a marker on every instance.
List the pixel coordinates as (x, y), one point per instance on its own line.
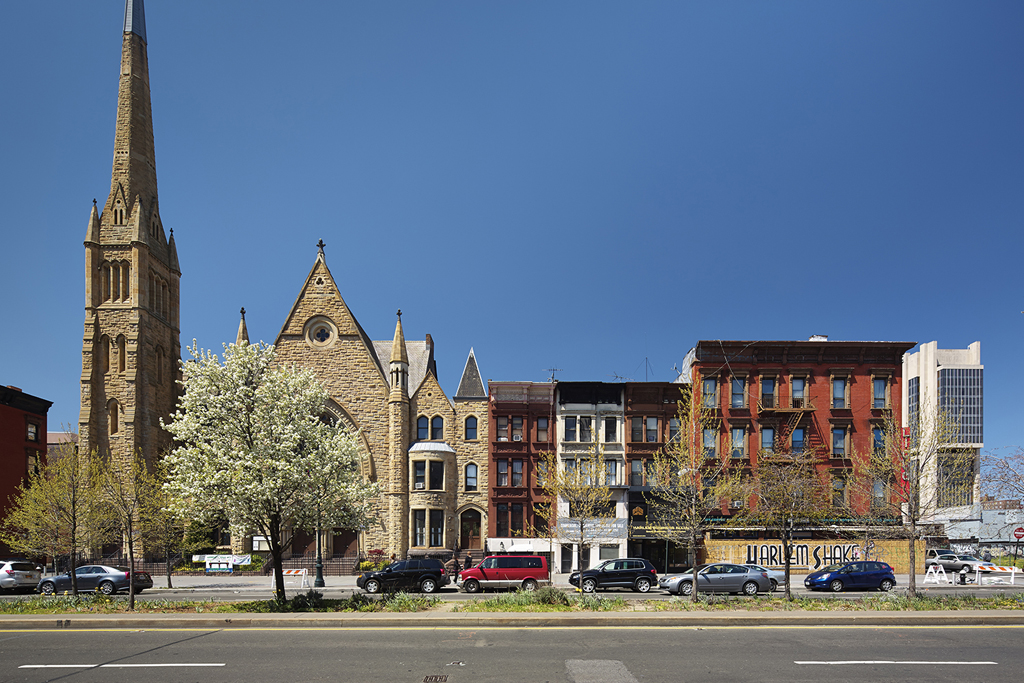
(131, 345)
(243, 332)
(399, 361)
(133, 193)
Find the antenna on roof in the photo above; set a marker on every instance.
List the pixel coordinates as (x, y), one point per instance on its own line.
(552, 371)
(619, 378)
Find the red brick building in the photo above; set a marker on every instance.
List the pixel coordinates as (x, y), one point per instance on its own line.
(22, 441)
(826, 397)
(522, 426)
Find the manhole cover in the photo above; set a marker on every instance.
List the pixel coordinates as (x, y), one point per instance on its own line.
(435, 679)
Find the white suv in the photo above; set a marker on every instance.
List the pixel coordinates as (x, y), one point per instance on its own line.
(16, 575)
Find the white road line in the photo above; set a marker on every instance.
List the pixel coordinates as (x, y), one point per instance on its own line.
(107, 666)
(886, 661)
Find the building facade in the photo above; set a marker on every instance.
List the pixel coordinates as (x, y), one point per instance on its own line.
(130, 348)
(428, 452)
(522, 418)
(827, 398)
(22, 442)
(950, 382)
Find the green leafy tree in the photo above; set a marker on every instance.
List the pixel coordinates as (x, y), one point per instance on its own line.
(254, 447)
(56, 511)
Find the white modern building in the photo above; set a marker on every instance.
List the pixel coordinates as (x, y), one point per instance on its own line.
(950, 381)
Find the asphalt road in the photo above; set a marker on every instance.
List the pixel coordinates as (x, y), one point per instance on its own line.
(522, 655)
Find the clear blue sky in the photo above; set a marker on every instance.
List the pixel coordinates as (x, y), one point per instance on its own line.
(583, 185)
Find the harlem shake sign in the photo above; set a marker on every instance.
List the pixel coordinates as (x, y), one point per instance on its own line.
(803, 555)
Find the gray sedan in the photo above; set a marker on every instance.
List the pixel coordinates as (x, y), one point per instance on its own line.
(776, 576)
(106, 579)
(720, 577)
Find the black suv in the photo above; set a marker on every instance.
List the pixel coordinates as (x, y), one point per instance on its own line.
(635, 573)
(424, 574)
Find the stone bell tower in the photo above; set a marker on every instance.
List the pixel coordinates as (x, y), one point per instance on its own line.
(130, 349)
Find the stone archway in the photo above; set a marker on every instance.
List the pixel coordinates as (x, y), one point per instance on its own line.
(470, 535)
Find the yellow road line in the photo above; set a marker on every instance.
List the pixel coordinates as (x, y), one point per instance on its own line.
(773, 627)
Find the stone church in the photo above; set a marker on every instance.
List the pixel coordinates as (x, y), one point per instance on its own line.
(428, 452)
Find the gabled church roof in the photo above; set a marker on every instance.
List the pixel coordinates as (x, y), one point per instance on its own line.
(471, 385)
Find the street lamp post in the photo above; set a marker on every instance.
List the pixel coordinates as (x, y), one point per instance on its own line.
(318, 582)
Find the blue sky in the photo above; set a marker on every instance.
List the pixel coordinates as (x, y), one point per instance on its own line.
(589, 186)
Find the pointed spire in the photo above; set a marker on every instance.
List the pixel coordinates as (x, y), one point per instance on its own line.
(471, 385)
(398, 352)
(243, 333)
(135, 18)
(134, 167)
(172, 253)
(92, 234)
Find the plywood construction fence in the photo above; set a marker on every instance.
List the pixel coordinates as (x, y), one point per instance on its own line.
(812, 555)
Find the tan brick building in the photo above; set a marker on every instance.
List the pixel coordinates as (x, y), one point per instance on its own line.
(130, 348)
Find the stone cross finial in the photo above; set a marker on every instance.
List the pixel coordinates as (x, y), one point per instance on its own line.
(243, 312)
(94, 201)
(399, 313)
(320, 245)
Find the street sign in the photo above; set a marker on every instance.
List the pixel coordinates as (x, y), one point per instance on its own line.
(1018, 533)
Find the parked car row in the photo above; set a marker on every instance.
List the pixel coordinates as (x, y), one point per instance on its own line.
(527, 572)
(28, 577)
(951, 562)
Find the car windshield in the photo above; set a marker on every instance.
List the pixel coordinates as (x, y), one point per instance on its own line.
(969, 558)
(832, 568)
(605, 565)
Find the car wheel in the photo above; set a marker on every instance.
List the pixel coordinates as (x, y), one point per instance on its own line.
(686, 588)
(886, 585)
(529, 585)
(372, 586)
(643, 584)
(588, 585)
(472, 586)
(428, 586)
(107, 588)
(835, 585)
(48, 588)
(750, 588)
(774, 587)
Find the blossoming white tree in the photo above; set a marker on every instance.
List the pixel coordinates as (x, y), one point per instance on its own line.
(252, 444)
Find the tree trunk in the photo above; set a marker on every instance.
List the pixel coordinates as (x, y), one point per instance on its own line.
(71, 571)
(167, 557)
(131, 569)
(693, 549)
(276, 551)
(912, 556)
(785, 555)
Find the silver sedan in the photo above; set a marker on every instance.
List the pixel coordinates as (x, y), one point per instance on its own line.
(719, 577)
(776, 576)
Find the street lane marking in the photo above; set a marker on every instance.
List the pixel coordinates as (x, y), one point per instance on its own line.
(886, 661)
(107, 666)
(655, 627)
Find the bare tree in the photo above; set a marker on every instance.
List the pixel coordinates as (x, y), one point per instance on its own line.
(131, 501)
(910, 474)
(689, 484)
(580, 503)
(788, 490)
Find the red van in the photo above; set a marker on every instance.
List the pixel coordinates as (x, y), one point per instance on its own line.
(506, 571)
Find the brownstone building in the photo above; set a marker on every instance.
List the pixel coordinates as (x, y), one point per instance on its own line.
(130, 349)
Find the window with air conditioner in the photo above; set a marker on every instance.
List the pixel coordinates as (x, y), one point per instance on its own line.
(419, 474)
(517, 429)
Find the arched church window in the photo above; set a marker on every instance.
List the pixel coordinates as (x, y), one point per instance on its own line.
(471, 428)
(115, 281)
(471, 472)
(103, 354)
(122, 354)
(437, 428)
(422, 432)
(106, 281)
(126, 281)
(113, 417)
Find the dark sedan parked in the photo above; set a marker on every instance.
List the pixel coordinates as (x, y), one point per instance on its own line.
(104, 578)
(864, 575)
(634, 573)
(424, 574)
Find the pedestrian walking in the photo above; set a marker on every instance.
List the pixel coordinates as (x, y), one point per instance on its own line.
(466, 562)
(987, 556)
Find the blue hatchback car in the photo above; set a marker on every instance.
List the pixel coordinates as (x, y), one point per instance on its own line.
(862, 575)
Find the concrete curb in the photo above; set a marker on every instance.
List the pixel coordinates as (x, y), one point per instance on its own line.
(428, 620)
